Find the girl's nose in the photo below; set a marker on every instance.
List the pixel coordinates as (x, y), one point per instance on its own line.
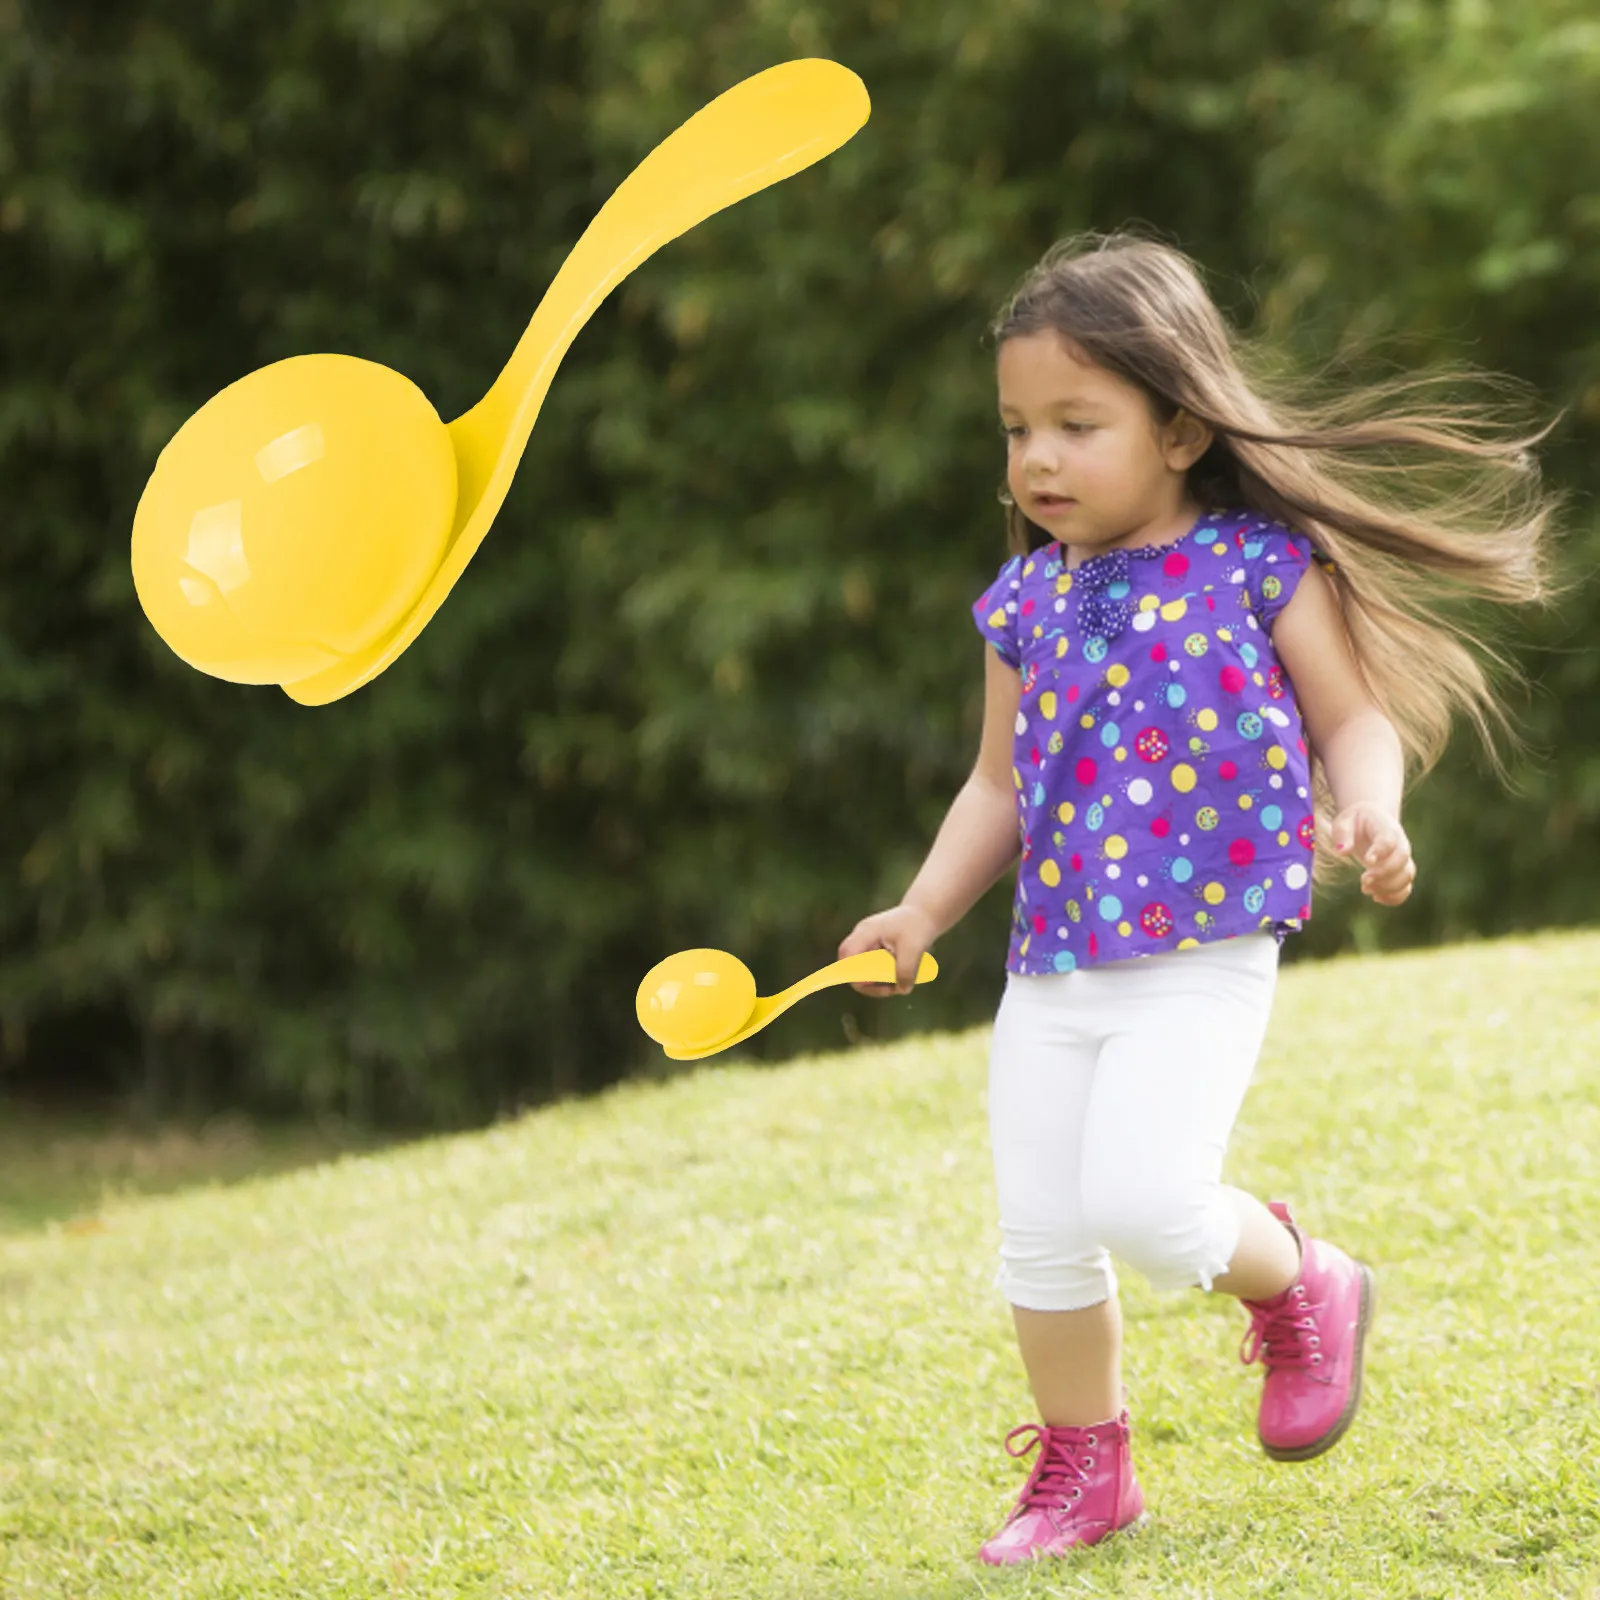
(1038, 457)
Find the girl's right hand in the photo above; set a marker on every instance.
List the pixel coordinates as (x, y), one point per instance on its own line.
(906, 931)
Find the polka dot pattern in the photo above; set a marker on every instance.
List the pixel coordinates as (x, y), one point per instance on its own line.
(1162, 776)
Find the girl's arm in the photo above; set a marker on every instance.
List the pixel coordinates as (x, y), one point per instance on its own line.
(1357, 743)
(980, 838)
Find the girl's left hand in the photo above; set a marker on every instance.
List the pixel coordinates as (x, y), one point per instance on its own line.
(1380, 844)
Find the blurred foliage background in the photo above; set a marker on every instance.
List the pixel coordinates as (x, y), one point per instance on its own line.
(712, 679)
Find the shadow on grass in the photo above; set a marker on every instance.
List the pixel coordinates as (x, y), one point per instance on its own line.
(63, 1166)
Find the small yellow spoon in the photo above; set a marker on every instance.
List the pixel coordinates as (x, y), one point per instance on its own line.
(699, 1002)
(303, 526)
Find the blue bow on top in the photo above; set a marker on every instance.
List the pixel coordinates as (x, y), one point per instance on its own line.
(1098, 613)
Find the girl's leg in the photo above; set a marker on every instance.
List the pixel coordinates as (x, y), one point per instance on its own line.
(1060, 1283)
(1074, 1362)
(1268, 1258)
(1168, 1088)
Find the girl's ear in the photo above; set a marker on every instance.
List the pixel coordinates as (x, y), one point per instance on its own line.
(1189, 439)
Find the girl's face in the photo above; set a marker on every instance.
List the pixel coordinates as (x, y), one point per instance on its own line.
(1085, 458)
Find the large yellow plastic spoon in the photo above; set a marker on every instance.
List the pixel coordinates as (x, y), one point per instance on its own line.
(304, 525)
(699, 1002)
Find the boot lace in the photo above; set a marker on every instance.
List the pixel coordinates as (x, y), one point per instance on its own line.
(1285, 1335)
(1060, 1472)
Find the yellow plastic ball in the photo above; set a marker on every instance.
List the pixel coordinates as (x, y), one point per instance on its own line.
(695, 999)
(294, 519)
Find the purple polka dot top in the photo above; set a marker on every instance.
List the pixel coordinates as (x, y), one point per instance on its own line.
(1163, 782)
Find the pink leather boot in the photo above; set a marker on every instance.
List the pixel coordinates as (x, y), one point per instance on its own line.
(1081, 1490)
(1311, 1339)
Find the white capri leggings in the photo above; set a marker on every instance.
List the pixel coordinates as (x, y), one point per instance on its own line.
(1112, 1093)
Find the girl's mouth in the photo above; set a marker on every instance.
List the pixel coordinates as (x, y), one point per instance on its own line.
(1052, 502)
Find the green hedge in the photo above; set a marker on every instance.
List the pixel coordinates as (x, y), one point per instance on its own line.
(711, 680)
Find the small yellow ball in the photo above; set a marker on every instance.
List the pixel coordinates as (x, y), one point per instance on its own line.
(695, 999)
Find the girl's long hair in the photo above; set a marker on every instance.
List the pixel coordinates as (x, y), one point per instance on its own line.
(1470, 520)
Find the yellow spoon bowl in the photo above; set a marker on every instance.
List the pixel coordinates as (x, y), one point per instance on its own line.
(699, 1002)
(303, 526)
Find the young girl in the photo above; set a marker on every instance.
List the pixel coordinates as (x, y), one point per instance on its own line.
(1209, 657)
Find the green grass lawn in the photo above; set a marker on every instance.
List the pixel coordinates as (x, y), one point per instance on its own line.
(733, 1334)
(70, 1166)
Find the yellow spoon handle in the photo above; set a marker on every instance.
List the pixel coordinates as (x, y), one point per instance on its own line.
(750, 137)
(870, 966)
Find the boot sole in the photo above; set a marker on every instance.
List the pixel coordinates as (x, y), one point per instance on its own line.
(1034, 1557)
(1317, 1447)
